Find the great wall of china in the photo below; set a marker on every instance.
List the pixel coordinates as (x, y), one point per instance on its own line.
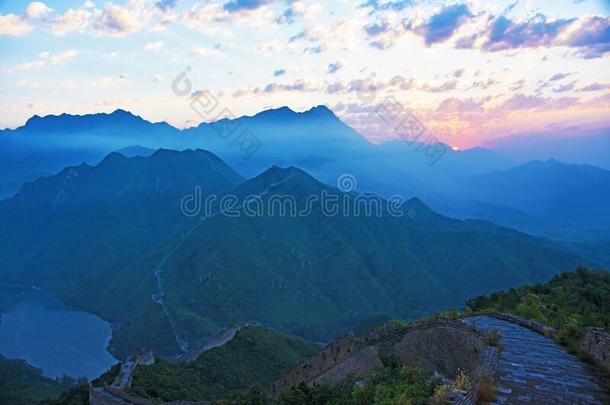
(444, 346)
(441, 345)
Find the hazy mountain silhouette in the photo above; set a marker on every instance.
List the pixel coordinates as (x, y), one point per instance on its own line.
(589, 146)
(315, 140)
(552, 191)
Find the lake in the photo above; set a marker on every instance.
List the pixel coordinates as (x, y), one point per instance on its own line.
(52, 337)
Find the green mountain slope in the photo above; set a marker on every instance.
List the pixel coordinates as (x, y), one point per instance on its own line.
(81, 233)
(112, 239)
(22, 384)
(255, 356)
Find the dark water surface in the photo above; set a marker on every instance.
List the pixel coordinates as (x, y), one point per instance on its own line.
(56, 339)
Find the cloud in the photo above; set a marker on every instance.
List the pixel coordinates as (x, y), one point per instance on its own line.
(535, 32)
(240, 5)
(596, 87)
(63, 56)
(270, 48)
(558, 76)
(439, 88)
(523, 102)
(437, 28)
(46, 57)
(297, 86)
(396, 5)
(314, 49)
(484, 84)
(204, 16)
(377, 28)
(591, 35)
(153, 46)
(492, 33)
(37, 10)
(443, 25)
(165, 5)
(118, 21)
(338, 36)
(335, 87)
(565, 87)
(297, 9)
(71, 20)
(13, 25)
(334, 67)
(460, 107)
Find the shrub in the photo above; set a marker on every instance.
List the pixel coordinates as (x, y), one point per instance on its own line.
(493, 338)
(442, 393)
(461, 381)
(485, 388)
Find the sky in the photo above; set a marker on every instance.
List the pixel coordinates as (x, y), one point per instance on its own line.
(469, 71)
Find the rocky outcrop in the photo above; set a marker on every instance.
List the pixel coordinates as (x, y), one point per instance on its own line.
(444, 348)
(597, 343)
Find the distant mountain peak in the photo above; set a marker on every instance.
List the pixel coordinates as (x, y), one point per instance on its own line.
(276, 113)
(552, 164)
(320, 109)
(279, 172)
(120, 111)
(112, 158)
(286, 113)
(135, 150)
(66, 122)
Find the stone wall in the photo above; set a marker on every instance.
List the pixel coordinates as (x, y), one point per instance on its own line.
(311, 370)
(359, 366)
(527, 323)
(597, 343)
(426, 344)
